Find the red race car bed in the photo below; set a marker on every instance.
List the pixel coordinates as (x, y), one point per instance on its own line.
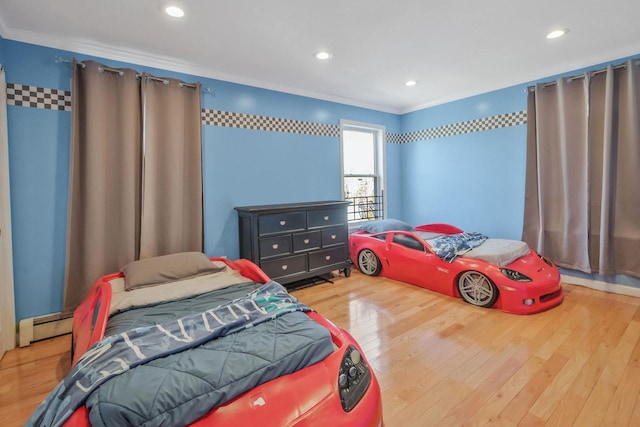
(186, 340)
(440, 257)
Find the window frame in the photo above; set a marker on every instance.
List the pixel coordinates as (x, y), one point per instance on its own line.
(379, 133)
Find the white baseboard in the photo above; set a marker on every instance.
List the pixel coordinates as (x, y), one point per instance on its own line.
(43, 327)
(601, 286)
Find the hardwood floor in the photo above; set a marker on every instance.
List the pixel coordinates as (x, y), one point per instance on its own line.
(27, 376)
(441, 362)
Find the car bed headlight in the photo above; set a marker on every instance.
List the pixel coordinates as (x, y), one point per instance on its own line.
(515, 275)
(354, 378)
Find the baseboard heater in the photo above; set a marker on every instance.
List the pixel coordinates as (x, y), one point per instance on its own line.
(43, 327)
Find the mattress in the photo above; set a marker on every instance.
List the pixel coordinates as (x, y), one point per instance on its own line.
(499, 252)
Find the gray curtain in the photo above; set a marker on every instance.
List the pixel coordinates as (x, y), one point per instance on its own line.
(135, 173)
(172, 184)
(582, 198)
(104, 194)
(615, 163)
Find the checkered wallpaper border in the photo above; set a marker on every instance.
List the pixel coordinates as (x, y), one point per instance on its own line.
(38, 97)
(478, 125)
(274, 124)
(54, 99)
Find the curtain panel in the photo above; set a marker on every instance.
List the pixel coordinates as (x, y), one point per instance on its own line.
(172, 171)
(103, 220)
(582, 199)
(135, 173)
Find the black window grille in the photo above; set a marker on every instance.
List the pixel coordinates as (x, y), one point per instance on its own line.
(365, 208)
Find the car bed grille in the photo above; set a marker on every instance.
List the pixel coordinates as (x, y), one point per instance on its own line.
(552, 295)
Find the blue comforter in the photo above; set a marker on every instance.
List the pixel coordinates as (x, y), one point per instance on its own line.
(174, 358)
(450, 246)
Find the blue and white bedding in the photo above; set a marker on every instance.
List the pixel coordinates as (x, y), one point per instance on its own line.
(153, 372)
(450, 246)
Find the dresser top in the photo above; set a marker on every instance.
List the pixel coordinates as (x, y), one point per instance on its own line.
(291, 206)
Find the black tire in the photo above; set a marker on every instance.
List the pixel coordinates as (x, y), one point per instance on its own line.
(369, 263)
(477, 289)
(347, 272)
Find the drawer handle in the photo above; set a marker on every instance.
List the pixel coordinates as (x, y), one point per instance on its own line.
(274, 246)
(283, 222)
(333, 237)
(328, 257)
(306, 241)
(284, 266)
(326, 217)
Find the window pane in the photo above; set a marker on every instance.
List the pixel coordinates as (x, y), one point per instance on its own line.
(407, 242)
(359, 154)
(356, 186)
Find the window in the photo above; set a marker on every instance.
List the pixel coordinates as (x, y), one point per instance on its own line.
(408, 241)
(362, 147)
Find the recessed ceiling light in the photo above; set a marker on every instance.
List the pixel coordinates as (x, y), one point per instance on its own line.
(174, 11)
(411, 83)
(323, 55)
(557, 33)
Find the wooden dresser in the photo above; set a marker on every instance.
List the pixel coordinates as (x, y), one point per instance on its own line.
(296, 241)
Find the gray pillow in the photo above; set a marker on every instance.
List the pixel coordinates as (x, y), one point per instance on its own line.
(383, 225)
(166, 268)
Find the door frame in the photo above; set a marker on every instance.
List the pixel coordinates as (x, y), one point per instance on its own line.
(7, 308)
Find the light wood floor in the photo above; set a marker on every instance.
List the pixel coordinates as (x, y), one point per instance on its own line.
(441, 362)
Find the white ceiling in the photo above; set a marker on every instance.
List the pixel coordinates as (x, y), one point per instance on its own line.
(453, 48)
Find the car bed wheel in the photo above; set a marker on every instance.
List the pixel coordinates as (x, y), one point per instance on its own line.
(369, 263)
(476, 288)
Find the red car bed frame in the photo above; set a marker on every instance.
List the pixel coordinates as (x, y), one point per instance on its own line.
(309, 397)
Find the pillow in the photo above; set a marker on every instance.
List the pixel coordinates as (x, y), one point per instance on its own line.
(382, 225)
(166, 268)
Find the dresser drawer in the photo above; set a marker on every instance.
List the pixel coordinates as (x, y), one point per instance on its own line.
(286, 266)
(334, 236)
(326, 217)
(272, 246)
(281, 222)
(327, 257)
(307, 241)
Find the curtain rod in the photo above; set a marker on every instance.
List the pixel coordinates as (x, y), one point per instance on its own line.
(102, 69)
(580, 76)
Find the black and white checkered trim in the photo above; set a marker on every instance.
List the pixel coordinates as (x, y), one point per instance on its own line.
(478, 125)
(395, 138)
(54, 99)
(273, 124)
(38, 97)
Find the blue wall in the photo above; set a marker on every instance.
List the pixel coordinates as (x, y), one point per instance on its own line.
(474, 180)
(240, 166)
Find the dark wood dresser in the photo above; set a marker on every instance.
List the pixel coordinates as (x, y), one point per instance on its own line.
(296, 241)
